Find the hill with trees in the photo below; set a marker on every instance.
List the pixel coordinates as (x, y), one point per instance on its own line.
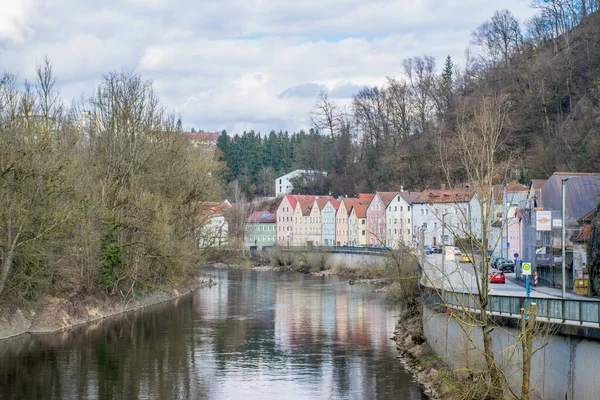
(546, 70)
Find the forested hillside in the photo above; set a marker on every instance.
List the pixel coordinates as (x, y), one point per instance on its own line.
(545, 70)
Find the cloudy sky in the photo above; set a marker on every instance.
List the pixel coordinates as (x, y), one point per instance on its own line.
(237, 64)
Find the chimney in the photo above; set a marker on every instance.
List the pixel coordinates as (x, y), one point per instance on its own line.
(443, 186)
(401, 188)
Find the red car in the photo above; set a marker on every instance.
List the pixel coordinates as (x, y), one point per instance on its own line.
(497, 277)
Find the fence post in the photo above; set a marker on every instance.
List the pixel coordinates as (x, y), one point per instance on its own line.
(563, 310)
(580, 312)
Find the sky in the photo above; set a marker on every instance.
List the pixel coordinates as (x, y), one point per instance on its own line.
(238, 64)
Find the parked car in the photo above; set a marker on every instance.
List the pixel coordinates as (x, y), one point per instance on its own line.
(497, 277)
(437, 249)
(359, 245)
(428, 250)
(457, 251)
(507, 266)
(465, 259)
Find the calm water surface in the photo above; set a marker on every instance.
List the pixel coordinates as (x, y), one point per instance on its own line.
(256, 335)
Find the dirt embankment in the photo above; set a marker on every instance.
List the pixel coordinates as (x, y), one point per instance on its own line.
(57, 313)
(417, 357)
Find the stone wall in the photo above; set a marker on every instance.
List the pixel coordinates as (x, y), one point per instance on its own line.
(565, 368)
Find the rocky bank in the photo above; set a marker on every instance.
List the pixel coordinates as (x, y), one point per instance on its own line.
(58, 313)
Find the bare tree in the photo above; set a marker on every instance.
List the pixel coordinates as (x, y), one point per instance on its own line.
(325, 114)
(499, 37)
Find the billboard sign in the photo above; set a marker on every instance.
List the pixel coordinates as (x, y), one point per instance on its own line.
(543, 259)
(556, 223)
(543, 221)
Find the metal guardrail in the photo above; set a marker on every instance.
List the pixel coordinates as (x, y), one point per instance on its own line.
(559, 310)
(374, 251)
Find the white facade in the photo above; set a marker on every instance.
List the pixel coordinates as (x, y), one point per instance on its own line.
(460, 219)
(399, 216)
(213, 232)
(283, 184)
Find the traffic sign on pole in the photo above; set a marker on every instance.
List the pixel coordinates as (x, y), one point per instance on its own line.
(526, 269)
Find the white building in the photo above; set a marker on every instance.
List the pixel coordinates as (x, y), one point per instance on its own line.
(398, 214)
(283, 184)
(440, 216)
(213, 229)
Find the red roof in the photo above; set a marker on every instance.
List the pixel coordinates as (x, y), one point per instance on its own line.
(208, 208)
(515, 186)
(365, 198)
(584, 234)
(360, 210)
(387, 197)
(335, 203)
(321, 203)
(445, 196)
(293, 198)
(305, 206)
(349, 202)
(262, 217)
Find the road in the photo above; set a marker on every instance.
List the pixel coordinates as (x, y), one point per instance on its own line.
(459, 277)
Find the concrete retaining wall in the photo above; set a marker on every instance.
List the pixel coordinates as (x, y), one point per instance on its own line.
(566, 368)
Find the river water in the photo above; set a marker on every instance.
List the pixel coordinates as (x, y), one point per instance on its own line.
(255, 335)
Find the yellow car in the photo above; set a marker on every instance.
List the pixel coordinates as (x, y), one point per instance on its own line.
(465, 258)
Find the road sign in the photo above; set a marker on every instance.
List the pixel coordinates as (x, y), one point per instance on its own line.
(526, 269)
(516, 255)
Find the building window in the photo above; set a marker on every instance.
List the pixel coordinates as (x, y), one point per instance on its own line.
(280, 181)
(408, 221)
(422, 212)
(435, 225)
(425, 225)
(395, 208)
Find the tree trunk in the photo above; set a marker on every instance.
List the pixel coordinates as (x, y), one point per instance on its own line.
(7, 262)
(496, 392)
(527, 336)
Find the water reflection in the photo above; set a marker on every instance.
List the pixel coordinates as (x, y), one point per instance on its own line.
(255, 335)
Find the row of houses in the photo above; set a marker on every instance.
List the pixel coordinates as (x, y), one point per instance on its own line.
(370, 219)
(526, 221)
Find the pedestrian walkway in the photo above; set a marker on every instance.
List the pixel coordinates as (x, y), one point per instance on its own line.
(551, 292)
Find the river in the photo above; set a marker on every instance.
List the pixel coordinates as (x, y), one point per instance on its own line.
(255, 335)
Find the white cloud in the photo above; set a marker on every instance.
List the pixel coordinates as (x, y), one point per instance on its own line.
(238, 64)
(14, 20)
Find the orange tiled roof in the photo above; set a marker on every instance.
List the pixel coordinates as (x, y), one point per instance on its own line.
(584, 234)
(293, 198)
(360, 210)
(349, 202)
(321, 203)
(365, 198)
(515, 186)
(445, 196)
(335, 203)
(305, 206)
(387, 197)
